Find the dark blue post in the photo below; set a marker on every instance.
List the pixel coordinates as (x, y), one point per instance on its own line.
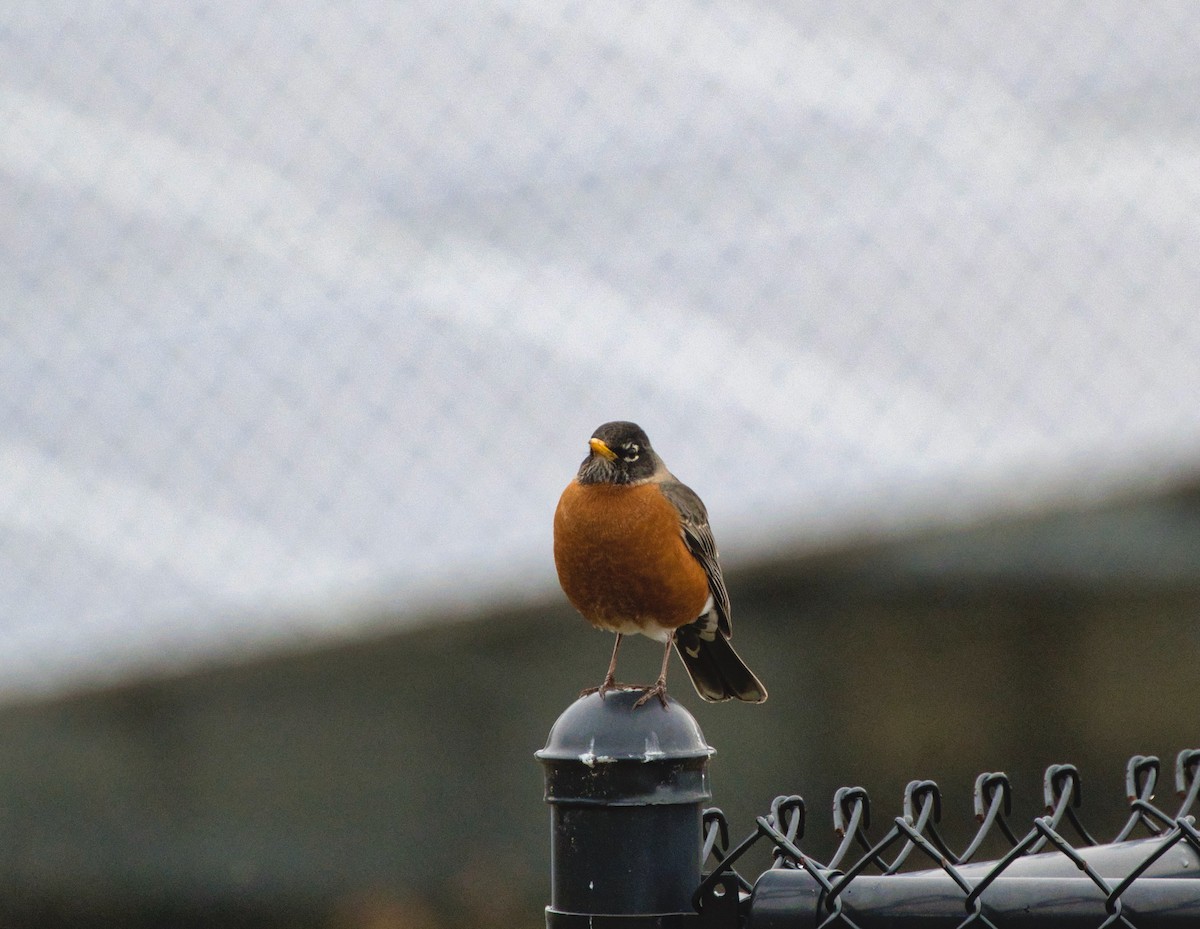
(626, 788)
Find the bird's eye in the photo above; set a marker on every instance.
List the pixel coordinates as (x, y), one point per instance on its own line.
(631, 451)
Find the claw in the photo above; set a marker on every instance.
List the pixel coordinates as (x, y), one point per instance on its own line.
(606, 686)
(658, 689)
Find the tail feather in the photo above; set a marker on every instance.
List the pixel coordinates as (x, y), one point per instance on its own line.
(716, 670)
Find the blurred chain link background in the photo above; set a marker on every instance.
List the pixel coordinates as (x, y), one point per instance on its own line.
(311, 307)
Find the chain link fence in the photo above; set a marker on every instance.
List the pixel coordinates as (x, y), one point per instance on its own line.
(1144, 877)
(629, 838)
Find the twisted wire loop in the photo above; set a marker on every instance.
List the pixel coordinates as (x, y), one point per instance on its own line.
(1187, 784)
(1063, 791)
(993, 804)
(716, 847)
(916, 830)
(851, 820)
(1141, 776)
(788, 811)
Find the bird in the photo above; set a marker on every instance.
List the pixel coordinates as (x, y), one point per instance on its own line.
(635, 553)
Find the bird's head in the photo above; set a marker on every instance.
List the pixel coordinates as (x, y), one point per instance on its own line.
(619, 453)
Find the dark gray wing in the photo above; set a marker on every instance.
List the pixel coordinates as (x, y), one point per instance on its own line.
(698, 537)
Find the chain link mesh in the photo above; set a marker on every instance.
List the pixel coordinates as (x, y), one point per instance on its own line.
(297, 293)
(1112, 868)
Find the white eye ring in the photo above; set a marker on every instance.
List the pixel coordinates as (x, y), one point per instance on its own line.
(632, 449)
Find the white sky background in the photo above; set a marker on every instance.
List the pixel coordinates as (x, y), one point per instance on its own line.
(309, 311)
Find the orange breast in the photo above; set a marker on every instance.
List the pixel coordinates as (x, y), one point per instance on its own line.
(622, 561)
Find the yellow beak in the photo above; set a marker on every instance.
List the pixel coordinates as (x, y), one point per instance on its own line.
(602, 449)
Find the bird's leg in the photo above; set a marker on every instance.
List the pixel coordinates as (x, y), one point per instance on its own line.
(660, 686)
(610, 679)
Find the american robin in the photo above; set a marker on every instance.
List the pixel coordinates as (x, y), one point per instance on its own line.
(635, 553)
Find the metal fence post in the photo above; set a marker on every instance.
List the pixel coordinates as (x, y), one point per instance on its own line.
(626, 789)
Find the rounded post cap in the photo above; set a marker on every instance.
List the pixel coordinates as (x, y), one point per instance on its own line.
(596, 730)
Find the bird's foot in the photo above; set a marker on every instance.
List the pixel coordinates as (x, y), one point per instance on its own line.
(657, 689)
(608, 685)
